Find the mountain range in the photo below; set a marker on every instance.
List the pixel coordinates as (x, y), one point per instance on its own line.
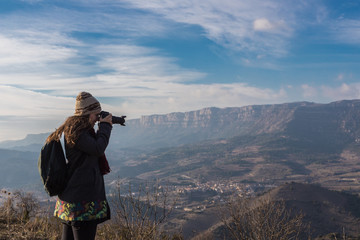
(301, 119)
(299, 141)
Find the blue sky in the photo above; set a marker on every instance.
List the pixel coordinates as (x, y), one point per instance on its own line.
(141, 57)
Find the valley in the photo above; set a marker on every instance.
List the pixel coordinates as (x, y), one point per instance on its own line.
(202, 157)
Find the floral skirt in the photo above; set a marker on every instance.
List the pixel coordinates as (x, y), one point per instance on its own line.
(81, 211)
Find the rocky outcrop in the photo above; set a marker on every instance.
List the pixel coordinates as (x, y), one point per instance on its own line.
(208, 123)
(303, 120)
(266, 118)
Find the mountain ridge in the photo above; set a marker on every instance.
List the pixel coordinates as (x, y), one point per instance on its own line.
(302, 119)
(189, 127)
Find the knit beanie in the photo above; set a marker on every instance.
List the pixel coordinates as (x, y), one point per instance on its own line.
(86, 104)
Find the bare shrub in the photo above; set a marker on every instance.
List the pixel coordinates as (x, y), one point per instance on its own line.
(262, 219)
(22, 218)
(7, 210)
(139, 215)
(26, 205)
(207, 235)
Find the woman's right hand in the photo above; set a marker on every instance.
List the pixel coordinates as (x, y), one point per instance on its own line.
(107, 119)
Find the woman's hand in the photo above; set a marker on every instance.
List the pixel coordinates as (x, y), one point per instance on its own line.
(107, 119)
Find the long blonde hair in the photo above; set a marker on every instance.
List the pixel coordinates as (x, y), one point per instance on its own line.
(72, 128)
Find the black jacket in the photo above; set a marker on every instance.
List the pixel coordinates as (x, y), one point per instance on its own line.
(87, 183)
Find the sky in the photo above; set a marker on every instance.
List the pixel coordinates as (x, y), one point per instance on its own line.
(141, 57)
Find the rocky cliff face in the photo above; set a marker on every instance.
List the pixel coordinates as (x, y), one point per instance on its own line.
(208, 123)
(328, 124)
(302, 120)
(266, 118)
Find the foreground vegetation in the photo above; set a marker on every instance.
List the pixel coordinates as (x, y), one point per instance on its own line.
(21, 217)
(136, 218)
(143, 216)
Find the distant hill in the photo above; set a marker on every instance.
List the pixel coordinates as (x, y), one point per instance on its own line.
(324, 210)
(31, 142)
(18, 169)
(327, 211)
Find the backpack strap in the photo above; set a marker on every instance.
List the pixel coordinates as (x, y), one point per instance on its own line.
(76, 164)
(62, 141)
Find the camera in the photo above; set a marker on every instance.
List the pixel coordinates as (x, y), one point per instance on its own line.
(115, 120)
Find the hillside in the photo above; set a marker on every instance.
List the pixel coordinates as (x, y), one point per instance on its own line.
(18, 169)
(325, 211)
(315, 143)
(263, 159)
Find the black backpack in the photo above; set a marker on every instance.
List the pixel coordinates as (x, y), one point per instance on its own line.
(53, 168)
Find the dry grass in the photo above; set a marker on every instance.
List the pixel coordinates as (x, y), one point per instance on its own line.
(22, 218)
(262, 219)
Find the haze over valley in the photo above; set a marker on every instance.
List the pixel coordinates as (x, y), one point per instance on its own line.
(206, 154)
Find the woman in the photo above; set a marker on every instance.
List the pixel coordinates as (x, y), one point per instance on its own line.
(83, 205)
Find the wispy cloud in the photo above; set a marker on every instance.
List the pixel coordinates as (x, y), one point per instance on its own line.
(324, 93)
(262, 24)
(51, 53)
(27, 103)
(151, 82)
(346, 30)
(256, 26)
(140, 81)
(15, 51)
(309, 91)
(174, 97)
(33, 112)
(344, 91)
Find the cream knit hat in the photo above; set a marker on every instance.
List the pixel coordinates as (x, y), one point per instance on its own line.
(86, 104)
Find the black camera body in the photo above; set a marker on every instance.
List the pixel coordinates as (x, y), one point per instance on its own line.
(115, 119)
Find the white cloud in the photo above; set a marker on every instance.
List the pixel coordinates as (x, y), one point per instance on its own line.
(18, 51)
(26, 103)
(234, 24)
(344, 91)
(150, 91)
(174, 97)
(309, 91)
(130, 69)
(139, 80)
(24, 112)
(340, 77)
(325, 93)
(262, 24)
